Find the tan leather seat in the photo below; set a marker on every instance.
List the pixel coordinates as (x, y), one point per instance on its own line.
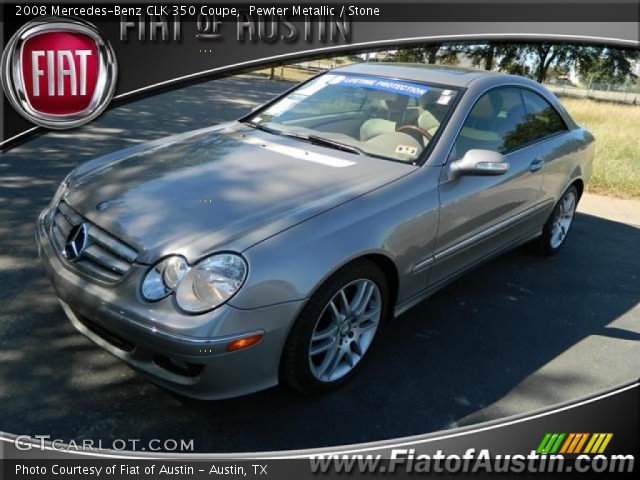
(376, 126)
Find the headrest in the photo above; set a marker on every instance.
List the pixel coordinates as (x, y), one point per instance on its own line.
(488, 106)
(427, 121)
(397, 104)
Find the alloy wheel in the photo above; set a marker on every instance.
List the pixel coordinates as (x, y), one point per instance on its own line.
(563, 218)
(345, 330)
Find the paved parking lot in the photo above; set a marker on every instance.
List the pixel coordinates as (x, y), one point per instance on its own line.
(518, 334)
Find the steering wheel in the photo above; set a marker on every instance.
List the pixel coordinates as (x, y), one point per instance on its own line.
(414, 128)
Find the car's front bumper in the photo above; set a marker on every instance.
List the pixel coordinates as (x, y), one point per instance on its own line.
(184, 353)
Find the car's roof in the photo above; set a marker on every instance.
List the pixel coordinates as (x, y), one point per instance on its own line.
(445, 75)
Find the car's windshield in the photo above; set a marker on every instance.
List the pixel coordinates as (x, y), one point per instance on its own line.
(369, 115)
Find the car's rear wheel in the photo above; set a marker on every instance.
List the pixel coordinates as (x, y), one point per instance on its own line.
(336, 328)
(557, 227)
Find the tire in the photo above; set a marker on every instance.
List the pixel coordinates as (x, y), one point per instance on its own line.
(552, 238)
(331, 332)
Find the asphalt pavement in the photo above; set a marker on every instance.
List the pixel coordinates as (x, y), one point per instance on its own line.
(518, 334)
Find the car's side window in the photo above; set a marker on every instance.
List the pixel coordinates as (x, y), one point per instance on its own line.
(494, 123)
(542, 118)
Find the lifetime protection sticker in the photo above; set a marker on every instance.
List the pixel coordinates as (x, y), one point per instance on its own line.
(405, 88)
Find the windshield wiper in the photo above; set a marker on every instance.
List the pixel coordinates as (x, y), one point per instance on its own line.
(333, 144)
(263, 128)
(314, 139)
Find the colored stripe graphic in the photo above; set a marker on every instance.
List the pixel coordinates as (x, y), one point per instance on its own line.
(550, 443)
(566, 445)
(606, 442)
(592, 440)
(543, 443)
(600, 442)
(578, 442)
(555, 443)
(582, 442)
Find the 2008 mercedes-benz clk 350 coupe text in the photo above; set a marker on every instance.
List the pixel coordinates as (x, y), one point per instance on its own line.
(273, 249)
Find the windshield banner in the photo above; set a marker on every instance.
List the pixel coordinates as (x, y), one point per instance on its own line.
(405, 88)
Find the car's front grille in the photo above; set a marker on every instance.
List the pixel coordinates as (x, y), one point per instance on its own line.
(104, 257)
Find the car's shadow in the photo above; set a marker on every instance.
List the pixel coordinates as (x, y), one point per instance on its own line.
(447, 362)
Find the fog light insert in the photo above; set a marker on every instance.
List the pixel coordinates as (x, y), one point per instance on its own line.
(244, 342)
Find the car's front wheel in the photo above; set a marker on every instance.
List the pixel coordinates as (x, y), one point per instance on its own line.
(557, 227)
(336, 328)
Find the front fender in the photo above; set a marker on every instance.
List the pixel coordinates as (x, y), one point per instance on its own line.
(398, 221)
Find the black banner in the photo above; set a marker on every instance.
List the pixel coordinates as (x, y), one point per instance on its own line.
(480, 451)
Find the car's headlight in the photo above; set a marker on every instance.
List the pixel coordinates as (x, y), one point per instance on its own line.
(211, 282)
(164, 277)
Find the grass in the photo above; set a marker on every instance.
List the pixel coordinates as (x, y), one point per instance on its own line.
(616, 127)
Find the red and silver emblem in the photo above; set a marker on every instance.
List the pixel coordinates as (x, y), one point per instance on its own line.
(59, 73)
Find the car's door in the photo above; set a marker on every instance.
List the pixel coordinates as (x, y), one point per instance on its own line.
(560, 148)
(480, 215)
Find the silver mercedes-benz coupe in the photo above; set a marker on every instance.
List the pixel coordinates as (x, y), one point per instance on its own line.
(274, 248)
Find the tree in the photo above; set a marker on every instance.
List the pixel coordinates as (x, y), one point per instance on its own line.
(482, 55)
(449, 54)
(610, 65)
(487, 55)
(536, 60)
(545, 56)
(431, 54)
(408, 55)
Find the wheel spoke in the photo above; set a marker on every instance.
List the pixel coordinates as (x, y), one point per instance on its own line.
(334, 311)
(368, 315)
(336, 361)
(555, 234)
(326, 361)
(328, 332)
(569, 203)
(364, 327)
(323, 347)
(349, 359)
(362, 307)
(359, 296)
(345, 302)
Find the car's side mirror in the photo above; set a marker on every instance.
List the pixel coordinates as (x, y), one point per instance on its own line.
(479, 162)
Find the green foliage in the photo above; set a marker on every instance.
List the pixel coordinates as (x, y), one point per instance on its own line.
(438, 53)
(537, 60)
(609, 65)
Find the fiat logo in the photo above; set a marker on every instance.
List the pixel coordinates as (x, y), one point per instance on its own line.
(59, 73)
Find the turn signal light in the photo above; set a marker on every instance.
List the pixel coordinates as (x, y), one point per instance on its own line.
(244, 342)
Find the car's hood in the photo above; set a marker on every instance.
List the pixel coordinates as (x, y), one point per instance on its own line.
(228, 187)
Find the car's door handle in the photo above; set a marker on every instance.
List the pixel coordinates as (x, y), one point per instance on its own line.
(537, 164)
